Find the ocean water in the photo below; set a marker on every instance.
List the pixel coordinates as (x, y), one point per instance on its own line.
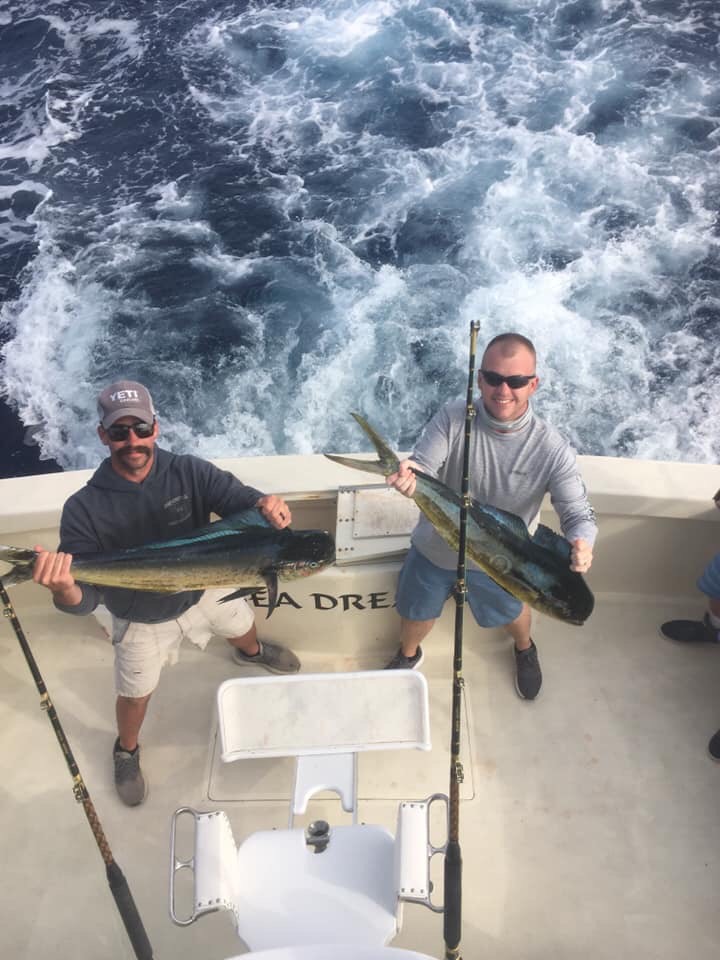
(276, 213)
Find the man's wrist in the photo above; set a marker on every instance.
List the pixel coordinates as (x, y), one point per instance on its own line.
(68, 596)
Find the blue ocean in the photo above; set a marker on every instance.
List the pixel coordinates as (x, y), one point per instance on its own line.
(275, 213)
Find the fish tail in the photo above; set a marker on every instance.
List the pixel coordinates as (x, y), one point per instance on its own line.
(387, 461)
(22, 562)
(370, 466)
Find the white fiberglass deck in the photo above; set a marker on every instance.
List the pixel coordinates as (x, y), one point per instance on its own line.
(589, 819)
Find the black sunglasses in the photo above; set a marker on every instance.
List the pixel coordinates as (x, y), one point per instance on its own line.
(515, 382)
(121, 431)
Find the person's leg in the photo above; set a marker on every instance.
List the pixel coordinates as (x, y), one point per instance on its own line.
(519, 629)
(412, 633)
(234, 621)
(421, 593)
(528, 675)
(706, 630)
(247, 643)
(130, 713)
(492, 606)
(141, 650)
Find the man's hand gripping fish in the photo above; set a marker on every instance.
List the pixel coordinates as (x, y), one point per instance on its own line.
(535, 569)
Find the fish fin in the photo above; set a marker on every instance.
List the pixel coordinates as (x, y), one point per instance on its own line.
(252, 517)
(271, 582)
(245, 520)
(548, 539)
(387, 461)
(21, 560)
(503, 517)
(271, 586)
(370, 466)
(240, 592)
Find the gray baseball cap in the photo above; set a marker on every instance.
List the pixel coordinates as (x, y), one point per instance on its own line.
(126, 398)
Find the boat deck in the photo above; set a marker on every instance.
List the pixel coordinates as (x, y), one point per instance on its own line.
(589, 818)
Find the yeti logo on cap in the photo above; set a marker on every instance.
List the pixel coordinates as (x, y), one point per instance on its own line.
(126, 398)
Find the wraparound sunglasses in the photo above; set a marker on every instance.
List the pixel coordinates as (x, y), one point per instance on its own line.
(121, 431)
(515, 382)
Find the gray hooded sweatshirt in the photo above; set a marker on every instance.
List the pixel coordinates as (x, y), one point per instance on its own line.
(111, 513)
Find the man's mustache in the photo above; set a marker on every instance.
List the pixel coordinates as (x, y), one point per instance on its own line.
(132, 449)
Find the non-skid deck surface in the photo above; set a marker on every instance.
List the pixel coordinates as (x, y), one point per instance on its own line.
(589, 826)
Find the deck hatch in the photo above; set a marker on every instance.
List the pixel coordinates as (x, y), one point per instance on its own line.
(373, 522)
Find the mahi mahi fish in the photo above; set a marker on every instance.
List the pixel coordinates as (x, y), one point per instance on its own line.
(535, 569)
(241, 550)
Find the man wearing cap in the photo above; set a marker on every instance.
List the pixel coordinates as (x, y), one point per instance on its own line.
(140, 494)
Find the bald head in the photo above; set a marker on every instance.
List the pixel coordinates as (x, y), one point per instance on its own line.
(507, 345)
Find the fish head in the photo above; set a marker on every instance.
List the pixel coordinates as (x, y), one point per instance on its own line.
(304, 553)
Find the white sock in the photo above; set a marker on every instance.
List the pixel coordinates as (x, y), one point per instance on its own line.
(714, 620)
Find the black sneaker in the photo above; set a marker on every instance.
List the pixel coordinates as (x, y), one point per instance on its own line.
(528, 676)
(129, 780)
(690, 631)
(714, 746)
(401, 662)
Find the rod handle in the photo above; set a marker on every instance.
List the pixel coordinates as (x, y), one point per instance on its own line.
(452, 924)
(129, 912)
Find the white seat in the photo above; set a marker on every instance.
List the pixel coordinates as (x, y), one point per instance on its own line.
(289, 895)
(324, 720)
(334, 951)
(287, 888)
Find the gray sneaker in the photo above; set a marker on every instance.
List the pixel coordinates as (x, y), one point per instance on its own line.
(129, 780)
(273, 656)
(401, 662)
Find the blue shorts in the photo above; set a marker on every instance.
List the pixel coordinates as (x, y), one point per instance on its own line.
(423, 589)
(709, 582)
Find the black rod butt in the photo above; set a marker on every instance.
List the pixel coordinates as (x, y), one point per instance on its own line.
(129, 912)
(452, 925)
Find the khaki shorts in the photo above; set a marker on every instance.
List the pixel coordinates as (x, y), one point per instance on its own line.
(143, 649)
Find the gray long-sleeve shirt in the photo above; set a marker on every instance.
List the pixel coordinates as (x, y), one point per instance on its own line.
(512, 470)
(112, 513)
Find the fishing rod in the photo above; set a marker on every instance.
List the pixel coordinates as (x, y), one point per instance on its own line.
(452, 926)
(116, 879)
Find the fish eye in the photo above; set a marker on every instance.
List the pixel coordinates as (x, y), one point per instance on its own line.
(500, 563)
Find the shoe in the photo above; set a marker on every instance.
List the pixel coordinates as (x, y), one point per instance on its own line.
(273, 656)
(401, 662)
(714, 746)
(129, 780)
(528, 676)
(690, 631)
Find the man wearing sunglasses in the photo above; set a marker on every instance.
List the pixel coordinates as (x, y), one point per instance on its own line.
(139, 494)
(515, 459)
